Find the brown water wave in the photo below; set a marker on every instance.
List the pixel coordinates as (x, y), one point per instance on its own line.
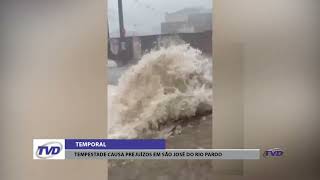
(196, 134)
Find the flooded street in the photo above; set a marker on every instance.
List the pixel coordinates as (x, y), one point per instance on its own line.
(196, 135)
(187, 132)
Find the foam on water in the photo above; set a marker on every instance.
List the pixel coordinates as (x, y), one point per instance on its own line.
(168, 85)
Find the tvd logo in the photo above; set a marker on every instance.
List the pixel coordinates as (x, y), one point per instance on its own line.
(50, 149)
(274, 152)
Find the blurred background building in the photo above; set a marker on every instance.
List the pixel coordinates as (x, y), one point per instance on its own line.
(187, 20)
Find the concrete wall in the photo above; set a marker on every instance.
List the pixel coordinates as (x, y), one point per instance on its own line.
(200, 40)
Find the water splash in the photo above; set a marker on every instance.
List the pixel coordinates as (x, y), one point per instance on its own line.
(167, 87)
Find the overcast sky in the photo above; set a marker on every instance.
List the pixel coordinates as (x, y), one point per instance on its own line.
(145, 16)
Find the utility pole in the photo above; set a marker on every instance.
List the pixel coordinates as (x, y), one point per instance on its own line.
(108, 39)
(122, 43)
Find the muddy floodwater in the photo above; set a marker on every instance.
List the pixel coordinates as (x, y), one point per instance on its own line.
(195, 135)
(168, 94)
